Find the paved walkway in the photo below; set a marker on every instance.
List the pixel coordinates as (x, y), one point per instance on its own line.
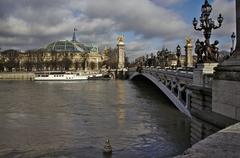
(223, 144)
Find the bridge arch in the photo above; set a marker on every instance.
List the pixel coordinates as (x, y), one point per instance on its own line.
(160, 84)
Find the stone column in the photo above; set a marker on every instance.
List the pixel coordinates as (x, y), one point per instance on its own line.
(226, 83)
(234, 59)
(200, 71)
(189, 56)
(238, 27)
(121, 52)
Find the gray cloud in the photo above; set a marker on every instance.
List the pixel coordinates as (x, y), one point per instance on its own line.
(139, 16)
(167, 2)
(42, 20)
(33, 23)
(227, 9)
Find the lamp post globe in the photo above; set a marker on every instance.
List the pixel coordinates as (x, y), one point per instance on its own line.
(195, 22)
(220, 19)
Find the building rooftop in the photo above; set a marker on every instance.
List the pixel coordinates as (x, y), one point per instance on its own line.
(67, 46)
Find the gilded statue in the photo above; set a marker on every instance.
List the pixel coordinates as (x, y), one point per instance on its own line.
(188, 40)
(120, 39)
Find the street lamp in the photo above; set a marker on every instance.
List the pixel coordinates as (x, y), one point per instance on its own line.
(206, 8)
(178, 53)
(166, 57)
(233, 36)
(207, 24)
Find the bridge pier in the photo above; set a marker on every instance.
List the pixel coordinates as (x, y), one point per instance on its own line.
(118, 73)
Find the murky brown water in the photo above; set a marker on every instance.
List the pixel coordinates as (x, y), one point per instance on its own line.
(73, 119)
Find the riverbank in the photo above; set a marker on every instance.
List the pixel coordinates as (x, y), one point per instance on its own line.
(16, 76)
(222, 144)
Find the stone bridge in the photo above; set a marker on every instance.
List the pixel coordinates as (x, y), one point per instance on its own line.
(172, 83)
(192, 92)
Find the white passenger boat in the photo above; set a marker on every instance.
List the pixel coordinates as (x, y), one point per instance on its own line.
(59, 76)
(95, 75)
(99, 77)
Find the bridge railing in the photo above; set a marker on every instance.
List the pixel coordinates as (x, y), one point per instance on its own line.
(175, 81)
(172, 72)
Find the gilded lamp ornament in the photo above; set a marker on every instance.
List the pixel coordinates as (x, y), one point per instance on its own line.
(121, 39)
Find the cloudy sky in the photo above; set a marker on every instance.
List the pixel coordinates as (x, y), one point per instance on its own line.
(148, 25)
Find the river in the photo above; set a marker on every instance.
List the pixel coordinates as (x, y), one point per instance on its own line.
(73, 119)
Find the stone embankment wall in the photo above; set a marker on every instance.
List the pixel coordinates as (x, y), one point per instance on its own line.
(16, 76)
(204, 121)
(223, 144)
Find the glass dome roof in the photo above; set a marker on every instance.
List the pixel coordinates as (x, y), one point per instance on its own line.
(67, 46)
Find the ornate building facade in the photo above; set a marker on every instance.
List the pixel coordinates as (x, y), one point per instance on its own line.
(62, 55)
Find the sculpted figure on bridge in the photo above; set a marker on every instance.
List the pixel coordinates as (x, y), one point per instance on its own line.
(188, 40)
(199, 50)
(213, 51)
(205, 52)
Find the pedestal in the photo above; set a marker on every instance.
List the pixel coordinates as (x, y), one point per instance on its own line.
(200, 72)
(226, 83)
(226, 89)
(189, 56)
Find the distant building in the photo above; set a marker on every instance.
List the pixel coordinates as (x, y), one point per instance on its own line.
(58, 55)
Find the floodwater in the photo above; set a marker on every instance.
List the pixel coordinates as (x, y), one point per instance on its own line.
(73, 119)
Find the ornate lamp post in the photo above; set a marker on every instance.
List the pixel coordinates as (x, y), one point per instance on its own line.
(186, 56)
(178, 53)
(166, 57)
(152, 60)
(233, 36)
(207, 25)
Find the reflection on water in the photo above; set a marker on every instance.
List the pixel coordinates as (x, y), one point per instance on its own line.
(120, 103)
(73, 119)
